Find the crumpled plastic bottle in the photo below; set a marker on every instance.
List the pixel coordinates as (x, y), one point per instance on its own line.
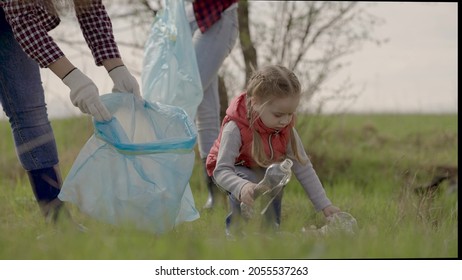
(277, 175)
(341, 222)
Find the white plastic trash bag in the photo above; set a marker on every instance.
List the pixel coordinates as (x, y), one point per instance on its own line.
(136, 167)
(170, 73)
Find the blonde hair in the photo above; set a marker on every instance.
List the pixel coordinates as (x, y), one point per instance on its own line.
(266, 84)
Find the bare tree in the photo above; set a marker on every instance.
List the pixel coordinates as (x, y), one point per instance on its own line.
(247, 46)
(312, 38)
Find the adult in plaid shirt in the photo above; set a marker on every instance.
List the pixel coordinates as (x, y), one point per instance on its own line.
(214, 27)
(24, 46)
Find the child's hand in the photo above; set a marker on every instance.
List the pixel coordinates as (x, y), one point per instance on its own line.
(330, 210)
(247, 193)
(260, 189)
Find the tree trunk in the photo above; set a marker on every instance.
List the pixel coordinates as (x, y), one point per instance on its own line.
(248, 49)
(223, 94)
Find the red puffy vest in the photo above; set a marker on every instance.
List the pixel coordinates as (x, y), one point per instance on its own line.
(275, 142)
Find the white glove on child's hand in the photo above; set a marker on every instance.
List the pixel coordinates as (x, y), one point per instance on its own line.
(84, 95)
(260, 189)
(124, 81)
(247, 194)
(330, 210)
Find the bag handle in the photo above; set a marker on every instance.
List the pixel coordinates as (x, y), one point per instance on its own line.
(114, 134)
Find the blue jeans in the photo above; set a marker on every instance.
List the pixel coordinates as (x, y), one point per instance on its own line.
(23, 101)
(211, 47)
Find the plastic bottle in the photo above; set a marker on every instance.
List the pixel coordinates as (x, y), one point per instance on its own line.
(341, 222)
(276, 176)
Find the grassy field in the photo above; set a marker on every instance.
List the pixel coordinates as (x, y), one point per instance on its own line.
(370, 165)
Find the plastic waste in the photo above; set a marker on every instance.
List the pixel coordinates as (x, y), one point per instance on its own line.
(338, 223)
(135, 168)
(277, 175)
(170, 73)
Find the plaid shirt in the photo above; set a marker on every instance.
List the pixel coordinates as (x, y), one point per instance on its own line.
(31, 22)
(207, 12)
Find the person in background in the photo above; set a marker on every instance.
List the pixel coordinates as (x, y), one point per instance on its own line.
(214, 27)
(258, 130)
(26, 45)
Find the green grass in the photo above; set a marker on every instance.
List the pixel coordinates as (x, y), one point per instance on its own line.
(369, 165)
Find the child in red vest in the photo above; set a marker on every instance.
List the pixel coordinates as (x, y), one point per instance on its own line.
(258, 130)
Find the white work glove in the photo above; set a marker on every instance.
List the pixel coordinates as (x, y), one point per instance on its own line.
(84, 95)
(124, 81)
(246, 195)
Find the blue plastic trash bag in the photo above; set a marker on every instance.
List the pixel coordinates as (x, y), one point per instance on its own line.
(170, 73)
(135, 168)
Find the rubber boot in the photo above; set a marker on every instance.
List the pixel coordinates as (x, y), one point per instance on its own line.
(234, 221)
(46, 184)
(211, 188)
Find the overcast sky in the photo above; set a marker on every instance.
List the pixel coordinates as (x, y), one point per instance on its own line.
(416, 71)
